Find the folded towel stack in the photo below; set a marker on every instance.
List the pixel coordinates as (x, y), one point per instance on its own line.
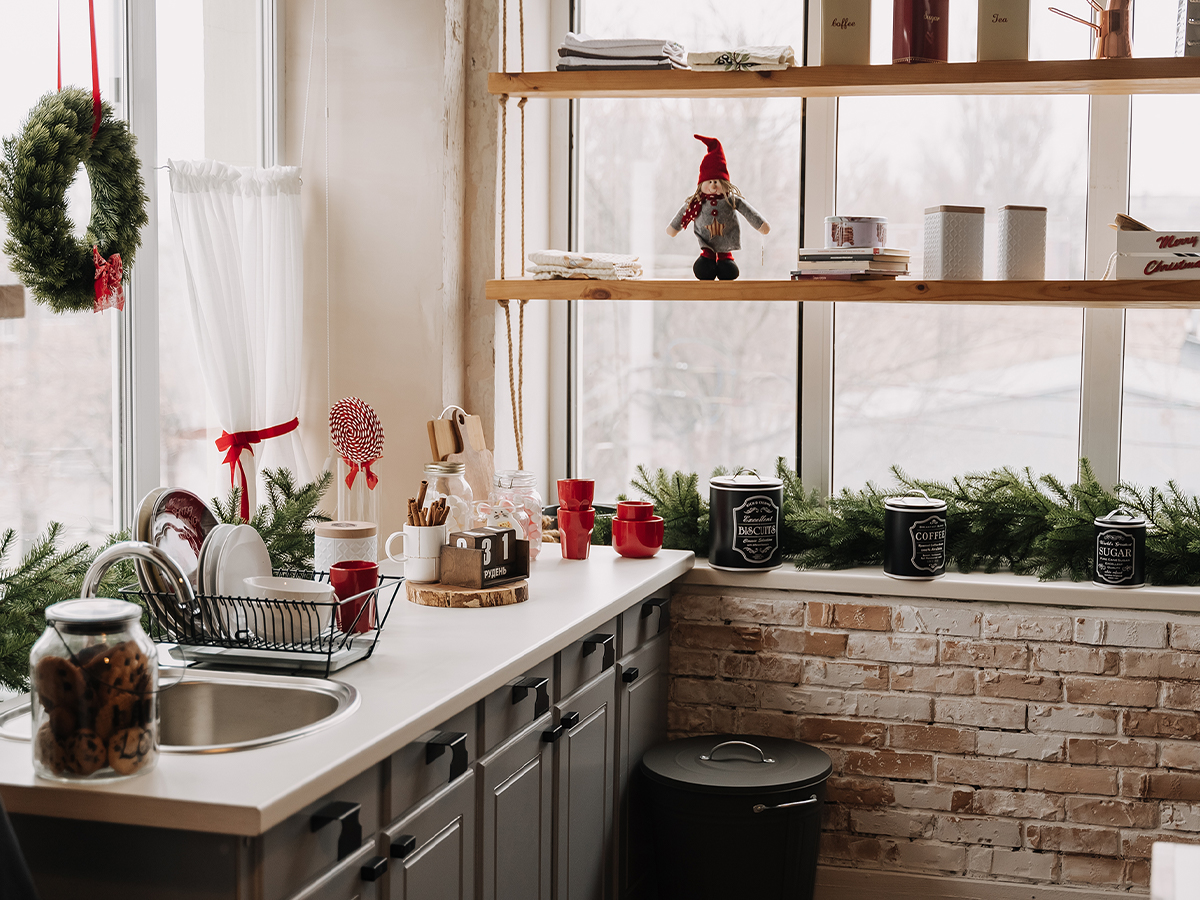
(581, 52)
(605, 266)
(756, 59)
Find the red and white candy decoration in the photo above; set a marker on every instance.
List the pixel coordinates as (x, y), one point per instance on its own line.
(358, 437)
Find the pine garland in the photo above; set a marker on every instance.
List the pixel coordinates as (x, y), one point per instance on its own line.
(677, 499)
(286, 521)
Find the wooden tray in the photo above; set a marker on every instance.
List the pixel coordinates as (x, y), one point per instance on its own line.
(455, 597)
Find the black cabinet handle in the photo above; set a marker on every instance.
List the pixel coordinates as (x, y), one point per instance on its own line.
(569, 719)
(552, 736)
(650, 605)
(347, 813)
(521, 690)
(403, 845)
(607, 641)
(630, 675)
(374, 868)
(457, 742)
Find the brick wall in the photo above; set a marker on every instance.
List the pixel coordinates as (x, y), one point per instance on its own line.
(992, 741)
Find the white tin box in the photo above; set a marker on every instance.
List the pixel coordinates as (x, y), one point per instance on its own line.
(1022, 243)
(954, 243)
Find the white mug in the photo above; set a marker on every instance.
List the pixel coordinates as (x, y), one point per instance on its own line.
(422, 551)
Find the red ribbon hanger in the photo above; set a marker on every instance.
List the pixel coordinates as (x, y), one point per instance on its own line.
(233, 445)
(95, 64)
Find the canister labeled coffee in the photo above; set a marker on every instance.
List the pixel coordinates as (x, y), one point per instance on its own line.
(744, 513)
(1120, 550)
(914, 537)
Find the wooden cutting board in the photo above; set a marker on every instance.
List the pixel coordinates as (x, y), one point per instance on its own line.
(473, 453)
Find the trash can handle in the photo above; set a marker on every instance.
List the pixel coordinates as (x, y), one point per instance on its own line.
(710, 756)
(760, 807)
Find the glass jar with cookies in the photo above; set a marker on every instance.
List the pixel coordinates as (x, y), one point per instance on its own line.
(94, 685)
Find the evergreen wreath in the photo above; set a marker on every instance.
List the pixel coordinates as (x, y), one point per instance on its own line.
(37, 168)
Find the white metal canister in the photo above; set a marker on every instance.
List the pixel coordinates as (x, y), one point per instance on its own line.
(855, 231)
(1003, 29)
(338, 541)
(1022, 243)
(954, 243)
(845, 32)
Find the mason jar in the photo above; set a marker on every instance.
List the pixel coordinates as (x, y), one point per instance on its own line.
(516, 490)
(448, 481)
(94, 692)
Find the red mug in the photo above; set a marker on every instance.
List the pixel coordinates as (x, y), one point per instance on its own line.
(638, 539)
(634, 510)
(349, 578)
(576, 493)
(575, 532)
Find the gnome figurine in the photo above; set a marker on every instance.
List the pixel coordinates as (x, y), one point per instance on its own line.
(714, 208)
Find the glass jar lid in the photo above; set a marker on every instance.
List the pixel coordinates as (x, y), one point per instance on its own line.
(1121, 518)
(445, 468)
(346, 529)
(744, 481)
(511, 478)
(94, 616)
(917, 501)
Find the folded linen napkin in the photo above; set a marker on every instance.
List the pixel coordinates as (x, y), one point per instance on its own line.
(573, 260)
(743, 59)
(613, 48)
(541, 273)
(587, 63)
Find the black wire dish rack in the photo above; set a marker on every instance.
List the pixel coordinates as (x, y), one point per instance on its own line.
(301, 636)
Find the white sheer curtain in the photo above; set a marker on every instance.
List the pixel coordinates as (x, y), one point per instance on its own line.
(240, 234)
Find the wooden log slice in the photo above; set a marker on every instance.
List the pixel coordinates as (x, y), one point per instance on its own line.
(455, 597)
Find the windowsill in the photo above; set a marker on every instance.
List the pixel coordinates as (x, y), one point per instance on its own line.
(1002, 587)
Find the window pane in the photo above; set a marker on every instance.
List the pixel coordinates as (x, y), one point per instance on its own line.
(56, 379)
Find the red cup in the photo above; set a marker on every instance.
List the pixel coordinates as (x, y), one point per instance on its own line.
(638, 538)
(576, 493)
(575, 532)
(634, 510)
(348, 579)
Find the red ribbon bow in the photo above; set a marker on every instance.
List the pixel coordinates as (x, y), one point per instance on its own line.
(109, 275)
(233, 445)
(372, 478)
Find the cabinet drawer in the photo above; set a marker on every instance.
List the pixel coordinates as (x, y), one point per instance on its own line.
(358, 877)
(509, 709)
(433, 760)
(645, 620)
(293, 854)
(432, 849)
(583, 660)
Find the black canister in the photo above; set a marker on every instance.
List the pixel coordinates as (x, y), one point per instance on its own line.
(1120, 559)
(914, 537)
(744, 514)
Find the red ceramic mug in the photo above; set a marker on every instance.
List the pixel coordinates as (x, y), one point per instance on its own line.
(348, 579)
(575, 532)
(634, 510)
(576, 493)
(638, 538)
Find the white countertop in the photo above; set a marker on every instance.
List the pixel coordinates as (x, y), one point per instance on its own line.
(429, 664)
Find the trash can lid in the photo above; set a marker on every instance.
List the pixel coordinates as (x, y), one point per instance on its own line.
(736, 764)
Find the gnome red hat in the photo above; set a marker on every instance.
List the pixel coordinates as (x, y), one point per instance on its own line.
(713, 165)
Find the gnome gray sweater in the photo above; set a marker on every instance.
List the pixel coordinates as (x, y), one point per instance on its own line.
(717, 226)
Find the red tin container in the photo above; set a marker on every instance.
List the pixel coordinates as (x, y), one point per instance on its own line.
(920, 31)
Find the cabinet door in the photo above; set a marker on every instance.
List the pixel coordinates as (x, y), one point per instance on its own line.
(642, 702)
(516, 791)
(358, 877)
(583, 812)
(432, 849)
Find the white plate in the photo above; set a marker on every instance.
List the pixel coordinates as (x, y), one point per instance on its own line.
(210, 554)
(243, 555)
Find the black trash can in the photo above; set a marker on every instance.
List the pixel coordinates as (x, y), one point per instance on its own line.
(736, 816)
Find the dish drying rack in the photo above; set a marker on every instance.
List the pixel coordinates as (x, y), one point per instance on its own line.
(296, 635)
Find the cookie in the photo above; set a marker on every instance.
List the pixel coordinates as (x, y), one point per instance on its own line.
(85, 752)
(123, 669)
(63, 720)
(129, 749)
(49, 752)
(121, 710)
(87, 654)
(58, 682)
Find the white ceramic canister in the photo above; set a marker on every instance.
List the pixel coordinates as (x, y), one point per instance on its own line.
(846, 32)
(338, 541)
(1003, 29)
(855, 231)
(954, 243)
(1022, 243)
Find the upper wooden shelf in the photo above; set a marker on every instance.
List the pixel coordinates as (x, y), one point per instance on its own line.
(1172, 294)
(1071, 76)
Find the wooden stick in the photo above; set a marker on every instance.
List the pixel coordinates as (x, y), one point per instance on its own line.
(421, 493)
(412, 518)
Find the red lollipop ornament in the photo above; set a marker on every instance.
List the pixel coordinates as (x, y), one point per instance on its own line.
(358, 437)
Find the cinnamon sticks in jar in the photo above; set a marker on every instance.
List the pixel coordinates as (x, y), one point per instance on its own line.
(436, 513)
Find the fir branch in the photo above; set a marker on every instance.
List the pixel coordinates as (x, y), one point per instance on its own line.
(1067, 546)
(677, 499)
(287, 520)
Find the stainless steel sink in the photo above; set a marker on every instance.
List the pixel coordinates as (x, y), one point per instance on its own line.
(218, 712)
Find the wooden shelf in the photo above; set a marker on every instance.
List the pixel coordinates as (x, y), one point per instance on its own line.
(1166, 75)
(1167, 294)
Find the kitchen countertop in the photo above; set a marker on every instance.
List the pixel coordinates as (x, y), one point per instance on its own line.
(429, 664)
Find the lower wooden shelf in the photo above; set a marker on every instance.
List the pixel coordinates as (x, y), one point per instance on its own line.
(1132, 294)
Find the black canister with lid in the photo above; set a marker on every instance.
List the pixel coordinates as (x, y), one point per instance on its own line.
(744, 518)
(914, 537)
(1120, 559)
(736, 816)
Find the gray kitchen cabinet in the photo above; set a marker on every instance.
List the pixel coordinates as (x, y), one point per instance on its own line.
(357, 877)
(516, 782)
(583, 807)
(432, 849)
(642, 678)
